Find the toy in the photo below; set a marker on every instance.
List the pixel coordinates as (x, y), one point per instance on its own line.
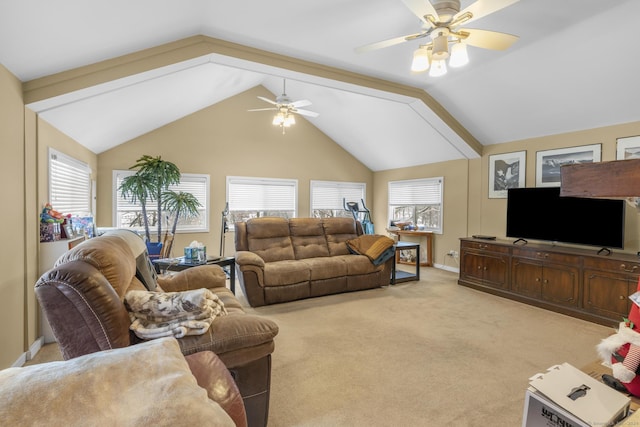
(50, 215)
(622, 350)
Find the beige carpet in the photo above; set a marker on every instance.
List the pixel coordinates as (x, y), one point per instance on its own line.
(428, 353)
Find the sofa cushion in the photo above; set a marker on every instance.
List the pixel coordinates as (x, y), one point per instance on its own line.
(359, 264)
(145, 271)
(269, 238)
(326, 267)
(286, 272)
(308, 239)
(337, 232)
(146, 384)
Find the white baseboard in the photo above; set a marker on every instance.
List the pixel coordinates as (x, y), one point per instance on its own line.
(21, 360)
(30, 354)
(35, 347)
(447, 268)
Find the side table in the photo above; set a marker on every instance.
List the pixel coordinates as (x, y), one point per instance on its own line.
(178, 264)
(398, 276)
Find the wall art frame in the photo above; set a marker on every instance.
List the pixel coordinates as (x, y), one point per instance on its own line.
(549, 162)
(628, 148)
(507, 170)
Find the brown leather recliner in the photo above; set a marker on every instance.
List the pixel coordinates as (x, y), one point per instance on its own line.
(82, 297)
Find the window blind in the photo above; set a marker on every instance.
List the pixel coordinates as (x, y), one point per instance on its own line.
(333, 194)
(69, 184)
(426, 191)
(256, 194)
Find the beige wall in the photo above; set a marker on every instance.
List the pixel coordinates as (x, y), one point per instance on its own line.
(490, 218)
(226, 140)
(14, 251)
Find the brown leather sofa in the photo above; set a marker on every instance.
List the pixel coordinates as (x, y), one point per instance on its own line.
(82, 297)
(281, 260)
(148, 384)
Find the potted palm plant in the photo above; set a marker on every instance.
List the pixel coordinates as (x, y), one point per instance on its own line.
(179, 205)
(152, 178)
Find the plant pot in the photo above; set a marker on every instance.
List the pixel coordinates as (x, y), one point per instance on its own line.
(154, 249)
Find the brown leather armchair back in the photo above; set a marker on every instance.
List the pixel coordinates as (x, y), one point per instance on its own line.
(83, 296)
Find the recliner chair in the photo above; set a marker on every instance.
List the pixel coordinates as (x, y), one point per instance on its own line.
(82, 297)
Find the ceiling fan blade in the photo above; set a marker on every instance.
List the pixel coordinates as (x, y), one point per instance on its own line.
(483, 8)
(267, 100)
(264, 109)
(488, 39)
(301, 103)
(422, 8)
(390, 42)
(306, 113)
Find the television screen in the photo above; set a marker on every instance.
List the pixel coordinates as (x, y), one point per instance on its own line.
(541, 214)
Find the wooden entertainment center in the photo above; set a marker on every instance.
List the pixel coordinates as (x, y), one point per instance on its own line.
(576, 282)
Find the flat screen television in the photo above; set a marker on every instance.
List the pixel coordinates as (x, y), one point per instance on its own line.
(541, 214)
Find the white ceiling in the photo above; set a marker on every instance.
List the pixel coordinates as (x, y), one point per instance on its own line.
(574, 67)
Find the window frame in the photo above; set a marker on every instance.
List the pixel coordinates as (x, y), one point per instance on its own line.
(420, 199)
(180, 229)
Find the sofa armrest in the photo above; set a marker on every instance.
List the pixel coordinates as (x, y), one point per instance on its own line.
(202, 276)
(212, 375)
(245, 258)
(248, 262)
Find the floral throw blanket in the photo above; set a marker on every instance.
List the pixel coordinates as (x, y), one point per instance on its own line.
(176, 314)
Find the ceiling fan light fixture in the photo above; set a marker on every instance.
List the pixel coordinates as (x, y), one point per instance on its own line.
(440, 44)
(278, 119)
(459, 55)
(438, 68)
(289, 120)
(421, 60)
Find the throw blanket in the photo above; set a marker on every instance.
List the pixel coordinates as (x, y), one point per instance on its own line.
(374, 246)
(165, 314)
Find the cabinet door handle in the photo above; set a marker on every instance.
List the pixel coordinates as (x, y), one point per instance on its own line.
(621, 297)
(628, 270)
(537, 279)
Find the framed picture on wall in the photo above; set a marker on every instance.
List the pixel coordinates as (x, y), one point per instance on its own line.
(628, 148)
(549, 162)
(506, 171)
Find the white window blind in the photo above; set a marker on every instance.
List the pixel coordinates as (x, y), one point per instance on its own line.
(196, 184)
(415, 192)
(333, 194)
(69, 184)
(261, 194)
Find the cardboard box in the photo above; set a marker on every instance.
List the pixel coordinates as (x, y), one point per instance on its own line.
(566, 396)
(540, 412)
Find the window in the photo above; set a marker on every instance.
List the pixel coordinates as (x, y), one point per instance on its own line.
(129, 215)
(417, 201)
(260, 197)
(328, 197)
(69, 184)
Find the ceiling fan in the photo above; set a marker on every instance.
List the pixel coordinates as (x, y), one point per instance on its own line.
(441, 21)
(286, 108)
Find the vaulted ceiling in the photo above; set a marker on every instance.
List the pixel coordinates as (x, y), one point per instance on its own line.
(575, 66)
